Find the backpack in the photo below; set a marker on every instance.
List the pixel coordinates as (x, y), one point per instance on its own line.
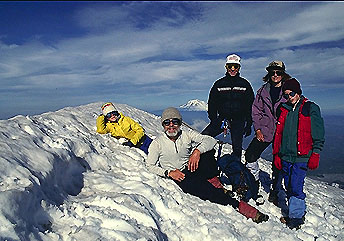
(236, 174)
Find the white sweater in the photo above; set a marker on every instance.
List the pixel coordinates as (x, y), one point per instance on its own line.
(165, 154)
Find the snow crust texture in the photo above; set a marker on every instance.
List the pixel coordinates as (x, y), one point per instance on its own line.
(61, 180)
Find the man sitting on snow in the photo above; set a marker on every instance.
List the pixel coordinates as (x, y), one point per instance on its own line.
(184, 157)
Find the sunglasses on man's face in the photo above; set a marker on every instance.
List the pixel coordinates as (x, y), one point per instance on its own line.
(109, 115)
(174, 121)
(235, 66)
(277, 72)
(291, 94)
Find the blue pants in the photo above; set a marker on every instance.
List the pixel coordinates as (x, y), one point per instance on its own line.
(294, 178)
(277, 177)
(145, 143)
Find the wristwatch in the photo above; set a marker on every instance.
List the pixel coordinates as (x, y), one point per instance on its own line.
(166, 173)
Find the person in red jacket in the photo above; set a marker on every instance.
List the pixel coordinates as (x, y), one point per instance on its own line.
(298, 140)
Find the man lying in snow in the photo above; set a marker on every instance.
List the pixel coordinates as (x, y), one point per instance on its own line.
(120, 126)
(184, 157)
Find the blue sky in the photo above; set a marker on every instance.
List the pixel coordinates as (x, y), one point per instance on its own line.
(152, 55)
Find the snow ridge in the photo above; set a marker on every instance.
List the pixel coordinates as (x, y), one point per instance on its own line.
(61, 180)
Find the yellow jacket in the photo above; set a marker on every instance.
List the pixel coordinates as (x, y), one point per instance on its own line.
(125, 127)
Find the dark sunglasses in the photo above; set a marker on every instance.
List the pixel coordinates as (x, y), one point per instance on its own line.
(292, 94)
(175, 121)
(278, 73)
(236, 66)
(115, 113)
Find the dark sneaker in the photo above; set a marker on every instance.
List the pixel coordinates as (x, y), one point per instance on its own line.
(260, 217)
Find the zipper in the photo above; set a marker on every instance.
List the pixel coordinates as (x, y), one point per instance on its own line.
(175, 146)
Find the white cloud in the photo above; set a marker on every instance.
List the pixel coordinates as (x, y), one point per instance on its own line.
(173, 50)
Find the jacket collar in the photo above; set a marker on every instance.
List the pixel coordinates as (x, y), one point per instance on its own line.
(232, 77)
(289, 106)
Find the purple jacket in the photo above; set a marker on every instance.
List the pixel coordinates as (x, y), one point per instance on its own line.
(264, 114)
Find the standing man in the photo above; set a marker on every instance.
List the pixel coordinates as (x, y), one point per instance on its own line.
(230, 100)
(264, 109)
(181, 155)
(298, 140)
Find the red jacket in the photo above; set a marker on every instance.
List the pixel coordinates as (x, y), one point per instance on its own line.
(304, 136)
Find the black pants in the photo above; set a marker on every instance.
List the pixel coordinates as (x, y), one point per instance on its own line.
(207, 166)
(196, 183)
(236, 129)
(255, 149)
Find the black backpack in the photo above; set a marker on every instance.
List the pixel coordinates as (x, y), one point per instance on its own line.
(235, 173)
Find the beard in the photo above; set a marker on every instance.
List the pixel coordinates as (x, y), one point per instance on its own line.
(172, 132)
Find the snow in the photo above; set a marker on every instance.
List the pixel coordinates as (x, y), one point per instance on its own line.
(194, 105)
(61, 180)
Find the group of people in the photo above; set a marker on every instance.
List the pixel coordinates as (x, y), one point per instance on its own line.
(280, 116)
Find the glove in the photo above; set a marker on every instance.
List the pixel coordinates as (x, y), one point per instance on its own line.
(313, 162)
(128, 143)
(248, 130)
(277, 162)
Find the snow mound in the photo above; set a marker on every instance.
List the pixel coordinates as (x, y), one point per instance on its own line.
(61, 180)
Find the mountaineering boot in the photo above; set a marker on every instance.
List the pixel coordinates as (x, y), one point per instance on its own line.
(294, 222)
(260, 217)
(273, 198)
(251, 212)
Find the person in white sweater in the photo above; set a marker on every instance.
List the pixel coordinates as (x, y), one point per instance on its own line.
(187, 157)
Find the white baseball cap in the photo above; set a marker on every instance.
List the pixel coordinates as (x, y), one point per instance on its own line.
(233, 59)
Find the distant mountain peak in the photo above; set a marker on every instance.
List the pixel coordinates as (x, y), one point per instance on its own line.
(194, 105)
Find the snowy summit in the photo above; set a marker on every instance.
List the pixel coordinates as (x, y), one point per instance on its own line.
(61, 180)
(194, 105)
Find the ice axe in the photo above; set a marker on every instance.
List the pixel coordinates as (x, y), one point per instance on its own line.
(225, 127)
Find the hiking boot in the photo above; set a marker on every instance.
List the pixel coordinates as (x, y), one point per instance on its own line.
(273, 198)
(260, 217)
(293, 222)
(251, 212)
(229, 192)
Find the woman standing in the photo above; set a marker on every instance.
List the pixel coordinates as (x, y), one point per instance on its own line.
(264, 107)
